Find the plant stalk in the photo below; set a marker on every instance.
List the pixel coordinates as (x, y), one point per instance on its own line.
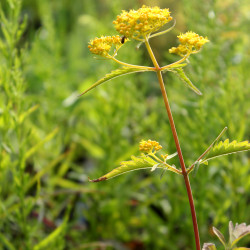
(177, 144)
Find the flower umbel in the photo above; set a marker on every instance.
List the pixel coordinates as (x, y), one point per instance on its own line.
(102, 46)
(190, 43)
(139, 23)
(148, 146)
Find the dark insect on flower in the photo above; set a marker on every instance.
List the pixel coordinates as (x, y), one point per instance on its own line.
(123, 38)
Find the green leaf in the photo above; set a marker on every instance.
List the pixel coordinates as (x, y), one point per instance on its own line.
(38, 145)
(27, 113)
(224, 148)
(181, 74)
(51, 238)
(113, 74)
(6, 243)
(136, 163)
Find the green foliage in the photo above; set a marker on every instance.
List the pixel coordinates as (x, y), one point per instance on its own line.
(43, 71)
(138, 163)
(225, 148)
(51, 240)
(113, 74)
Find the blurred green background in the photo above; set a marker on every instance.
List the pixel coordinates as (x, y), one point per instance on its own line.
(51, 140)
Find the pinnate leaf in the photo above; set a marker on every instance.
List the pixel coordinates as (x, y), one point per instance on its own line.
(224, 148)
(136, 163)
(113, 74)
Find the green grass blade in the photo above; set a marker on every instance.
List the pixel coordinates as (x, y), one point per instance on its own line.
(44, 171)
(38, 145)
(113, 74)
(6, 243)
(58, 232)
(27, 113)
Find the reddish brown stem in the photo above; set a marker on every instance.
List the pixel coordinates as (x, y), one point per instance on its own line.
(184, 172)
(177, 144)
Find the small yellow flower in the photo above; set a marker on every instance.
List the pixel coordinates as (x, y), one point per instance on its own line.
(102, 46)
(190, 43)
(137, 24)
(148, 146)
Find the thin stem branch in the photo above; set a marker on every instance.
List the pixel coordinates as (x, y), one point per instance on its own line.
(175, 63)
(169, 167)
(207, 150)
(177, 144)
(163, 32)
(132, 65)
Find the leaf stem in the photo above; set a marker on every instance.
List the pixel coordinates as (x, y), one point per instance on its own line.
(175, 63)
(207, 150)
(163, 32)
(169, 167)
(177, 144)
(132, 65)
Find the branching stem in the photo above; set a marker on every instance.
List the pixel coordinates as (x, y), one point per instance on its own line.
(171, 168)
(177, 144)
(175, 63)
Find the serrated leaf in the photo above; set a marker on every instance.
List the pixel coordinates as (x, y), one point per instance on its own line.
(136, 163)
(113, 74)
(220, 236)
(181, 74)
(209, 246)
(224, 148)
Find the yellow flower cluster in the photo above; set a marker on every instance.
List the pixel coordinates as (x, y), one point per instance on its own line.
(148, 146)
(139, 23)
(190, 43)
(101, 46)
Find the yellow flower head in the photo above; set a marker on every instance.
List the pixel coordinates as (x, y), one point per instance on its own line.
(148, 146)
(137, 24)
(190, 43)
(102, 46)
